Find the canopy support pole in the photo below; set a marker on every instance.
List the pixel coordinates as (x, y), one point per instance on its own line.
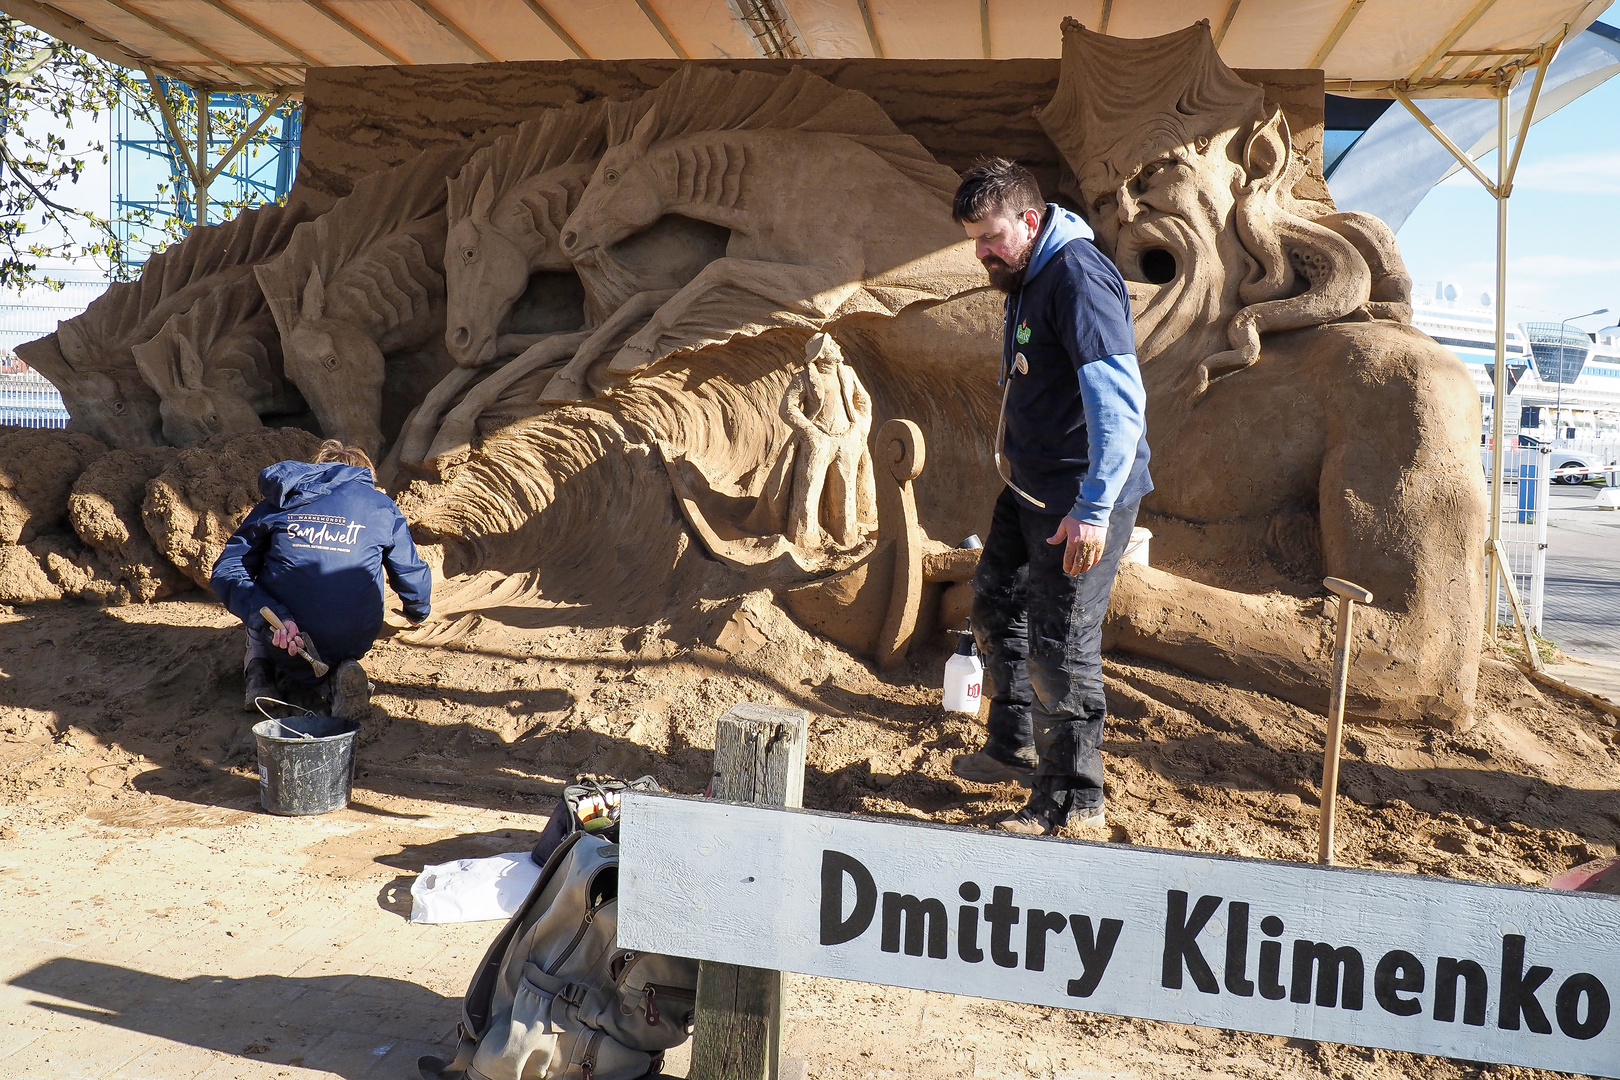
(1494, 566)
(203, 97)
(1506, 167)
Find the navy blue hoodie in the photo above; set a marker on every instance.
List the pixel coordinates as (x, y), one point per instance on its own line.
(315, 550)
(1076, 426)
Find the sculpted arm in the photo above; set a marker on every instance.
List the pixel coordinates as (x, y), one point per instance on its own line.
(793, 406)
(863, 404)
(1410, 532)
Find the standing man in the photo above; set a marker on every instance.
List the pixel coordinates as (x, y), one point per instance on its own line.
(316, 551)
(1075, 462)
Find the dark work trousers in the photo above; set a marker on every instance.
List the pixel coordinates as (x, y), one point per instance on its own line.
(1040, 631)
(292, 668)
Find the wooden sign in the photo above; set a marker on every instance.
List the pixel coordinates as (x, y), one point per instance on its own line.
(1482, 972)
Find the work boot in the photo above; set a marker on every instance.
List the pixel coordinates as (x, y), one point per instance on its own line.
(981, 768)
(348, 692)
(1043, 816)
(260, 676)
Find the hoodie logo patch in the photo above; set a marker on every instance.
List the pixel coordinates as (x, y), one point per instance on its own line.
(1022, 334)
(323, 531)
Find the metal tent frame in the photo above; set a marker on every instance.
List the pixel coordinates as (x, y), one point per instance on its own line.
(1500, 190)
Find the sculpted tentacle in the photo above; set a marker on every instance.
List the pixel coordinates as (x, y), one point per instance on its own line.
(1339, 284)
(1391, 295)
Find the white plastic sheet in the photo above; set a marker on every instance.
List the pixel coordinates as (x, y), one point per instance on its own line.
(473, 890)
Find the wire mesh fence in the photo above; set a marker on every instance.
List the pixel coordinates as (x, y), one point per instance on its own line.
(1525, 491)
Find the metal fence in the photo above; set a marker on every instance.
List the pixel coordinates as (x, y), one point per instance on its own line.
(1525, 474)
(29, 400)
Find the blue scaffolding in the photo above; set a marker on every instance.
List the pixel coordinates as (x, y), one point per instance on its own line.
(151, 189)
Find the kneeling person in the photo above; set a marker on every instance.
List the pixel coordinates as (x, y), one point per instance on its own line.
(315, 551)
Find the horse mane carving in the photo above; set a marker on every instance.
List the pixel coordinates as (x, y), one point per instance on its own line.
(773, 159)
(699, 99)
(217, 366)
(382, 241)
(514, 167)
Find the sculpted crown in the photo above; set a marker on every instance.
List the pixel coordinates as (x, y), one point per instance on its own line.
(1111, 88)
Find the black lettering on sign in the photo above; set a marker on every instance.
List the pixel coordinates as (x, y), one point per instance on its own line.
(1399, 972)
(1038, 924)
(1271, 987)
(1237, 950)
(967, 925)
(920, 916)
(1002, 917)
(1181, 944)
(835, 928)
(1329, 963)
(1095, 951)
(1519, 989)
(1447, 970)
(1569, 1006)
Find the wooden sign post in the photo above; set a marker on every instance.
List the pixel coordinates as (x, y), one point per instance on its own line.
(758, 758)
(1497, 973)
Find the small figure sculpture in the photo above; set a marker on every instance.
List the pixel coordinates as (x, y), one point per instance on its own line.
(831, 415)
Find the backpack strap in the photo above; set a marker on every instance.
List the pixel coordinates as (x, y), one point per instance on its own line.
(475, 1008)
(433, 1068)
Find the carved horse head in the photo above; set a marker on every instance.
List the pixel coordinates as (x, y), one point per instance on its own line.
(490, 252)
(339, 368)
(626, 195)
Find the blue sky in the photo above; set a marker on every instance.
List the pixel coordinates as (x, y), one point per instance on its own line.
(1563, 220)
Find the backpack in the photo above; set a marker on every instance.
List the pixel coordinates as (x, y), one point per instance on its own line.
(555, 998)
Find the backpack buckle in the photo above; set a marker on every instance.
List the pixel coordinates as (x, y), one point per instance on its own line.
(572, 994)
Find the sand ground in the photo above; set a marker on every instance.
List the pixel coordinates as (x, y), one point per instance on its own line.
(160, 926)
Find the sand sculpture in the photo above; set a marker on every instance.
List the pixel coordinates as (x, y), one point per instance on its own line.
(706, 402)
(736, 151)
(1299, 426)
(91, 357)
(358, 295)
(823, 477)
(217, 367)
(583, 351)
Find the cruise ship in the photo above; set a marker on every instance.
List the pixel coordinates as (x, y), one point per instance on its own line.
(1584, 407)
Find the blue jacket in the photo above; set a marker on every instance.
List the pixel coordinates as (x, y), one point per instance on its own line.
(315, 550)
(1076, 423)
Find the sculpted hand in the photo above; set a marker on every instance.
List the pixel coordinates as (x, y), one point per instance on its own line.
(287, 637)
(1085, 545)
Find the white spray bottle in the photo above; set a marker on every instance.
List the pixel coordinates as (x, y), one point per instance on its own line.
(964, 676)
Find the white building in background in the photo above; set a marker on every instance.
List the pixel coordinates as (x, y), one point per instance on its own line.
(1588, 403)
(27, 399)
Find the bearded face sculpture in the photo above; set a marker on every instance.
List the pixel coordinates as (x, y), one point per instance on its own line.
(1299, 425)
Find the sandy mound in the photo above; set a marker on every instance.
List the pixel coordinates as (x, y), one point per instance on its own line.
(39, 559)
(105, 510)
(194, 505)
(495, 707)
(37, 470)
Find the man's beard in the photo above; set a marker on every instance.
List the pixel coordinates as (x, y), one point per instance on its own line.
(1008, 277)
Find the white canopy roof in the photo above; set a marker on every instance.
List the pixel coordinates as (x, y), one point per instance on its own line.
(1433, 48)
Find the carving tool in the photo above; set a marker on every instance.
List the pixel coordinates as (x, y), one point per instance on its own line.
(1349, 594)
(306, 647)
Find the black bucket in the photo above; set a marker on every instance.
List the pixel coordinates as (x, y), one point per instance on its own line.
(306, 763)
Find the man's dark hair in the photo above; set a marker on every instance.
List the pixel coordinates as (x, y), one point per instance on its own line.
(996, 186)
